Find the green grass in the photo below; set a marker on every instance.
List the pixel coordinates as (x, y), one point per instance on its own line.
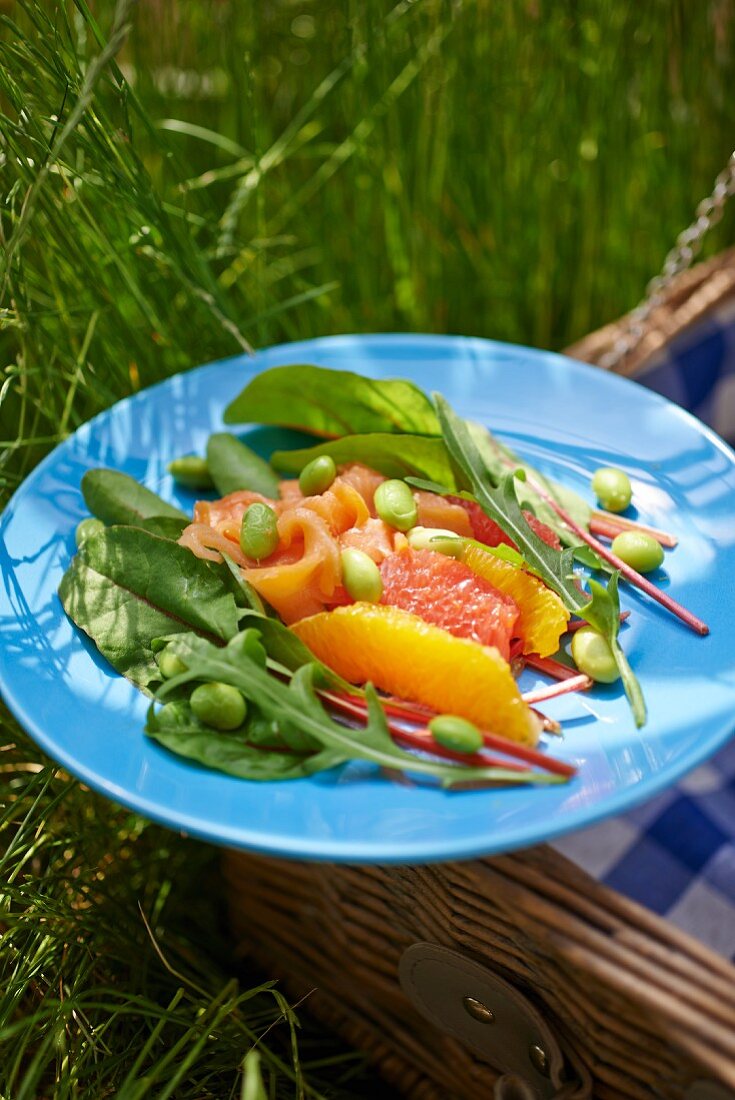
(225, 175)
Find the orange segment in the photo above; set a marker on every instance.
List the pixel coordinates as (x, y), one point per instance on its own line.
(407, 657)
(543, 618)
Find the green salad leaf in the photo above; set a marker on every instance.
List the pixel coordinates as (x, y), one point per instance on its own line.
(296, 704)
(233, 466)
(256, 751)
(603, 613)
(392, 455)
(332, 403)
(127, 587)
(115, 497)
(166, 527)
(602, 610)
(499, 459)
(501, 504)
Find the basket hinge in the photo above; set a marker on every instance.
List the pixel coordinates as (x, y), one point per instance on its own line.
(488, 1014)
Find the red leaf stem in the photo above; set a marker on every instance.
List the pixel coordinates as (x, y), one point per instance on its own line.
(621, 523)
(410, 712)
(603, 529)
(550, 691)
(550, 667)
(548, 725)
(426, 743)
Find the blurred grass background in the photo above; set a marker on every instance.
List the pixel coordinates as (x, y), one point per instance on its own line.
(183, 179)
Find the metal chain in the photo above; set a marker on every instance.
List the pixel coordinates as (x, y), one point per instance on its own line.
(687, 246)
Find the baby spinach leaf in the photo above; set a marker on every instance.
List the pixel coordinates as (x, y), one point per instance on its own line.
(115, 497)
(166, 527)
(233, 466)
(331, 403)
(392, 455)
(297, 704)
(126, 587)
(253, 752)
(603, 613)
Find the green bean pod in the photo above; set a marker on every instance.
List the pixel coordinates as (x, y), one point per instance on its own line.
(234, 466)
(191, 471)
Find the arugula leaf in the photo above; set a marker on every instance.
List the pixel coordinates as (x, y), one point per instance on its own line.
(501, 504)
(127, 587)
(297, 704)
(554, 568)
(234, 466)
(499, 459)
(603, 613)
(392, 455)
(585, 555)
(331, 403)
(115, 497)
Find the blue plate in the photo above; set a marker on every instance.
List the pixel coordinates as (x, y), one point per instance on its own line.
(567, 419)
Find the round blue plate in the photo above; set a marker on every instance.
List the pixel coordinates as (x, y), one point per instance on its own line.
(567, 419)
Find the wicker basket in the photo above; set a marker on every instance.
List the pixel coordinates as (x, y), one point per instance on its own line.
(690, 298)
(619, 1003)
(518, 977)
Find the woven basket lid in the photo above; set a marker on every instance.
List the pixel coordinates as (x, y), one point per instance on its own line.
(691, 297)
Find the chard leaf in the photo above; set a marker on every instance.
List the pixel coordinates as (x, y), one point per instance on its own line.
(116, 498)
(332, 403)
(246, 594)
(254, 752)
(297, 704)
(603, 613)
(501, 504)
(166, 527)
(127, 587)
(392, 455)
(233, 466)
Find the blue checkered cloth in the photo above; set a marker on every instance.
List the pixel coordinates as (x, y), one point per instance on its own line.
(676, 853)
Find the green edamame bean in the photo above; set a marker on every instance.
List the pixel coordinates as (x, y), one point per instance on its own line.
(169, 665)
(259, 531)
(220, 706)
(455, 733)
(438, 539)
(87, 528)
(361, 576)
(173, 714)
(395, 504)
(638, 550)
(593, 656)
(612, 488)
(191, 471)
(317, 475)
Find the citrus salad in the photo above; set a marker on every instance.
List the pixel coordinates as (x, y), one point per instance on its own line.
(371, 597)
